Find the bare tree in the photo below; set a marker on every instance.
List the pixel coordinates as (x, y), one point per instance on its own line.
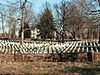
(27, 20)
(72, 16)
(11, 21)
(68, 17)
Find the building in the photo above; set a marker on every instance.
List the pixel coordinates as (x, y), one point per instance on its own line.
(35, 33)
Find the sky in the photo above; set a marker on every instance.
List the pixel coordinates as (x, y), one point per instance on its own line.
(36, 4)
(39, 4)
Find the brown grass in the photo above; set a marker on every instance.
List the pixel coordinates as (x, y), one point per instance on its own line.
(36, 68)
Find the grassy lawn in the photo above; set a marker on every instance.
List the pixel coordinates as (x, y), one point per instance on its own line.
(48, 68)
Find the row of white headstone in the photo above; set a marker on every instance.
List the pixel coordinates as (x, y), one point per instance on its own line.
(7, 46)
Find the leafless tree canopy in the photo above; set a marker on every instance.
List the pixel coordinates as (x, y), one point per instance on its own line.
(75, 19)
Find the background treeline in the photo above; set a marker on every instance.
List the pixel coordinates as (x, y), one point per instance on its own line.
(74, 19)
